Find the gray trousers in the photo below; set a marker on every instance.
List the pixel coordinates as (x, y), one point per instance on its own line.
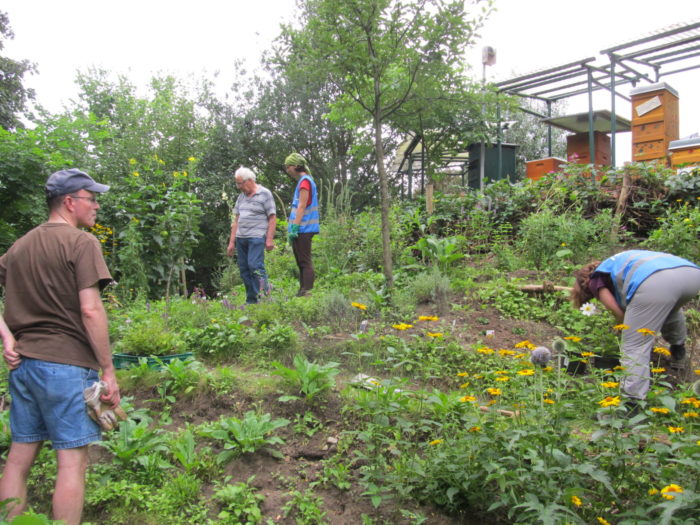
(656, 305)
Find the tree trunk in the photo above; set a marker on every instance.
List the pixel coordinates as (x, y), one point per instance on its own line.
(621, 206)
(384, 199)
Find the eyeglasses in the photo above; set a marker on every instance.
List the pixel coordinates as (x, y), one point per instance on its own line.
(92, 199)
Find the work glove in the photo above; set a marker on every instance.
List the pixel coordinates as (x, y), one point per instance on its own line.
(293, 233)
(102, 413)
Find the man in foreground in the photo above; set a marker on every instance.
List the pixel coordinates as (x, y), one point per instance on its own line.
(55, 339)
(252, 232)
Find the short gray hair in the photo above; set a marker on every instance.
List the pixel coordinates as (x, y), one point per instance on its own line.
(245, 174)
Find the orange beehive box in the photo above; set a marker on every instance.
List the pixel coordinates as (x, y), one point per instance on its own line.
(686, 151)
(578, 150)
(654, 121)
(535, 169)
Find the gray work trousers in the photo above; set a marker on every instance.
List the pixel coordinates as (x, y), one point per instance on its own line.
(656, 305)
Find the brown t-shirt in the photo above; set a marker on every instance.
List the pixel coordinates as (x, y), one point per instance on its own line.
(42, 274)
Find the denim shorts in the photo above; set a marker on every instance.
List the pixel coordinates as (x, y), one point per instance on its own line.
(48, 404)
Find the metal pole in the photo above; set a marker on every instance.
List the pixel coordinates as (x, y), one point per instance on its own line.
(482, 149)
(591, 135)
(549, 129)
(498, 139)
(613, 120)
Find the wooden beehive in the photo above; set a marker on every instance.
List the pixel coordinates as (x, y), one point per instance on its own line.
(654, 121)
(685, 152)
(535, 169)
(578, 150)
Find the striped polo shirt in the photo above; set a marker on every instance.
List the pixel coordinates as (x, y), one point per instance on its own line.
(254, 212)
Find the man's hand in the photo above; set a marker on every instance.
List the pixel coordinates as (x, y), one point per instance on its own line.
(110, 394)
(12, 358)
(231, 248)
(269, 245)
(293, 233)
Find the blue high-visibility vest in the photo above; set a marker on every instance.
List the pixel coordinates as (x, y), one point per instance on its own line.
(629, 269)
(310, 220)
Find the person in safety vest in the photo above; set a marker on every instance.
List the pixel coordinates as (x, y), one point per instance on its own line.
(303, 219)
(645, 291)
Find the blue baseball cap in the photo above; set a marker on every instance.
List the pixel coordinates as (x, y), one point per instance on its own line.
(71, 180)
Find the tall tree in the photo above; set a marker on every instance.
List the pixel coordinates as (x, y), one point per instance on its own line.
(13, 95)
(379, 55)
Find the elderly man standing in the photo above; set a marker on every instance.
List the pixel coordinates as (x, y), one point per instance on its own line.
(55, 339)
(252, 232)
(303, 219)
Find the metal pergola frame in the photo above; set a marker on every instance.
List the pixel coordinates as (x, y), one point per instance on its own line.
(644, 59)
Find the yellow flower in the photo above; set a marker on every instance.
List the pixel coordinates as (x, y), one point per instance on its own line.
(435, 442)
(610, 384)
(434, 334)
(478, 376)
(602, 521)
(661, 350)
(618, 368)
(467, 399)
(659, 410)
(191, 159)
(132, 161)
(646, 331)
(494, 391)
(428, 318)
(485, 350)
(587, 354)
(563, 244)
(576, 501)
(501, 372)
(503, 378)
(573, 338)
(526, 372)
(463, 374)
(518, 356)
(610, 401)
(402, 326)
(475, 429)
(652, 491)
(697, 371)
(667, 491)
(549, 401)
(503, 352)
(658, 370)
(691, 414)
(135, 173)
(523, 344)
(359, 306)
(621, 327)
(676, 430)
(547, 369)
(464, 385)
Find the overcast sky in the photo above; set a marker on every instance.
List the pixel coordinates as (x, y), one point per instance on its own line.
(187, 39)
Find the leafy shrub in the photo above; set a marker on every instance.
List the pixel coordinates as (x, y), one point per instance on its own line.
(548, 239)
(218, 340)
(335, 309)
(150, 337)
(277, 338)
(240, 504)
(678, 233)
(429, 287)
(245, 435)
(309, 378)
